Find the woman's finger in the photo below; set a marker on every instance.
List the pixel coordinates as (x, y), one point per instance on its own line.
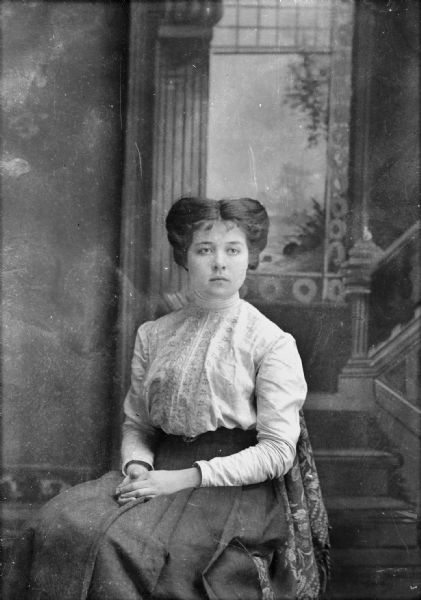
(134, 485)
(132, 478)
(123, 501)
(140, 500)
(139, 493)
(126, 481)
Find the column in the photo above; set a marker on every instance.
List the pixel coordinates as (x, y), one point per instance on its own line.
(180, 125)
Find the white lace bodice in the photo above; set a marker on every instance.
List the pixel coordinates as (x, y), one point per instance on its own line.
(204, 367)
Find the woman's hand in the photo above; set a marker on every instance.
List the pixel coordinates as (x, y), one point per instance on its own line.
(134, 472)
(148, 484)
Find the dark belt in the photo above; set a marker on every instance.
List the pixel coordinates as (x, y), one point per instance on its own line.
(236, 435)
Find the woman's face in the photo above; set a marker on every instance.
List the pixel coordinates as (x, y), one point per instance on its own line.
(217, 259)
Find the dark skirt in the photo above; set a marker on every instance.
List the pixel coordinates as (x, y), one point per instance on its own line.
(219, 543)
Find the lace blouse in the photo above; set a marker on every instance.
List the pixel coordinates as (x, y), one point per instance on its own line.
(210, 365)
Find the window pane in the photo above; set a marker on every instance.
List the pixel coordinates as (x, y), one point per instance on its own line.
(224, 37)
(268, 37)
(229, 16)
(288, 19)
(247, 37)
(268, 17)
(248, 16)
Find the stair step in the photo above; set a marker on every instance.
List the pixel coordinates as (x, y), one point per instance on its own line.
(357, 503)
(333, 429)
(392, 583)
(376, 557)
(371, 522)
(355, 453)
(355, 471)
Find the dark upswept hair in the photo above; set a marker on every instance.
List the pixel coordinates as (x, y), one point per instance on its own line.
(187, 215)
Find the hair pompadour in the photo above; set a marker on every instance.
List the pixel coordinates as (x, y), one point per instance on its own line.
(187, 214)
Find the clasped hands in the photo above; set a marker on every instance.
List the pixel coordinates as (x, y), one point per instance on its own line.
(141, 483)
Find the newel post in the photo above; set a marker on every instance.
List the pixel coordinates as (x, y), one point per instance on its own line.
(356, 379)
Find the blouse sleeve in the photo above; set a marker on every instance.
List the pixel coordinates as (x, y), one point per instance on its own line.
(138, 433)
(280, 393)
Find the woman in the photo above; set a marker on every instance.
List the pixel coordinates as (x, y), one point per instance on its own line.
(210, 432)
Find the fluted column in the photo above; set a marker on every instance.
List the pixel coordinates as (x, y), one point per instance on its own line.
(180, 124)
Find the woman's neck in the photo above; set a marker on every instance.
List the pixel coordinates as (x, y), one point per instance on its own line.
(214, 303)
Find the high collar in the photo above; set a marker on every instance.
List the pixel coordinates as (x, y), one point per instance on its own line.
(214, 303)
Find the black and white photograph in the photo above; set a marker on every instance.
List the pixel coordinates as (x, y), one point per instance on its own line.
(211, 300)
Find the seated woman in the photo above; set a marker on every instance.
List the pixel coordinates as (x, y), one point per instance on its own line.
(205, 508)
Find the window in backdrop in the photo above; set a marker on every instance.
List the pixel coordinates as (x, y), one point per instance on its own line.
(279, 109)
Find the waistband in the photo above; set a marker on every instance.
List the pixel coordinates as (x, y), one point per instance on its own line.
(178, 452)
(222, 434)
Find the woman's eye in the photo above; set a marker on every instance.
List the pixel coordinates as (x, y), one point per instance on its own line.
(204, 251)
(233, 251)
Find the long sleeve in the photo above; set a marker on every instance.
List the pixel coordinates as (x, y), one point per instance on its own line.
(138, 432)
(280, 393)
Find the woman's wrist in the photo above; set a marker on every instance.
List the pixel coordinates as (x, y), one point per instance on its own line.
(136, 466)
(192, 477)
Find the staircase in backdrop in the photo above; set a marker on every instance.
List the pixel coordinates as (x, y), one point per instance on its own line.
(367, 436)
(375, 553)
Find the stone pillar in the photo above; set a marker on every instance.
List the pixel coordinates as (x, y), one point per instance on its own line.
(356, 379)
(180, 125)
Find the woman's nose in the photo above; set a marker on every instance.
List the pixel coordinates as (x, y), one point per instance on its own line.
(218, 261)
